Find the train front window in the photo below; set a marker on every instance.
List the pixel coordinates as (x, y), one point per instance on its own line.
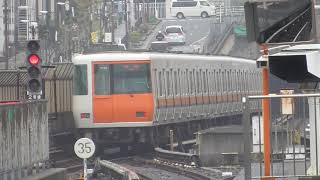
(80, 80)
(102, 79)
(131, 78)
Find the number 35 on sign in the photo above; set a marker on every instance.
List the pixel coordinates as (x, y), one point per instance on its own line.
(84, 148)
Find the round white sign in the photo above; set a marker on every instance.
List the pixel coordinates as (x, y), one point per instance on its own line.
(84, 148)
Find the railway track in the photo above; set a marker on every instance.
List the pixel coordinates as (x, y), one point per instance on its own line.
(61, 159)
(147, 167)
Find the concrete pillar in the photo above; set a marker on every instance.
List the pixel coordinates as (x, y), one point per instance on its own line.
(5, 176)
(19, 174)
(168, 8)
(13, 175)
(314, 116)
(132, 13)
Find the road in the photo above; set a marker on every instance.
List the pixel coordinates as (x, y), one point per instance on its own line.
(201, 33)
(196, 29)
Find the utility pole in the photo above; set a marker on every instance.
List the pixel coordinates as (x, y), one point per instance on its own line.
(126, 23)
(6, 35)
(112, 21)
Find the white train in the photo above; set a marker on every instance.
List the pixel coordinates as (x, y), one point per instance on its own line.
(124, 98)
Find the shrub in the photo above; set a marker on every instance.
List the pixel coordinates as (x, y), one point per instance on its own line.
(152, 20)
(135, 36)
(144, 28)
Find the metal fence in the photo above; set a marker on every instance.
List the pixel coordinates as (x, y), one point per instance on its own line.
(57, 82)
(58, 86)
(293, 117)
(148, 10)
(24, 138)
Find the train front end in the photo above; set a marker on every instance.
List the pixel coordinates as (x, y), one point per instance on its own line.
(112, 100)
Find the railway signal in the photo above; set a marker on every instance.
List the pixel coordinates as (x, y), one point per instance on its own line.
(33, 64)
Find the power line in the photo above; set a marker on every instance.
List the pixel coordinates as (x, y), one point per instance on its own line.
(6, 35)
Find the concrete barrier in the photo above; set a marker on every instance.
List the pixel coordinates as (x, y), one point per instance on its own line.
(179, 157)
(50, 174)
(24, 138)
(115, 171)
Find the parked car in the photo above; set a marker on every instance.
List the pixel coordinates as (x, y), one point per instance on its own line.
(175, 35)
(185, 8)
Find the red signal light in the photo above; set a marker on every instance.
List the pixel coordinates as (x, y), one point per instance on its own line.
(34, 59)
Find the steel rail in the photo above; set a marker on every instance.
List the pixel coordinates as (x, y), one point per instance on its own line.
(285, 26)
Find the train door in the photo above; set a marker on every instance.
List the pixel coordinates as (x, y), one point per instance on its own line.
(132, 92)
(102, 98)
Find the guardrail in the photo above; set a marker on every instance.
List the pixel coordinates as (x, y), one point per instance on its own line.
(24, 138)
(229, 11)
(115, 170)
(178, 157)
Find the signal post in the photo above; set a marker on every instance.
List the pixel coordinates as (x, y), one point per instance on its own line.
(33, 65)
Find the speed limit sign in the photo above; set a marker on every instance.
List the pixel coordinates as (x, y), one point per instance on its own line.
(84, 148)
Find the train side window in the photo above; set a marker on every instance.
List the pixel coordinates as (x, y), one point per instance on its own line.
(208, 81)
(102, 79)
(191, 83)
(167, 80)
(213, 82)
(80, 80)
(231, 80)
(160, 83)
(176, 81)
(186, 77)
(218, 82)
(223, 81)
(131, 78)
(227, 82)
(205, 85)
(245, 88)
(202, 87)
(253, 77)
(184, 89)
(243, 81)
(251, 84)
(194, 82)
(156, 84)
(170, 83)
(198, 83)
(179, 91)
(238, 81)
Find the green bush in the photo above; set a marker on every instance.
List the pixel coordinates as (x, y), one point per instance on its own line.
(144, 28)
(135, 36)
(152, 20)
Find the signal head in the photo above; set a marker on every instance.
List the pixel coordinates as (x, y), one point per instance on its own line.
(33, 46)
(34, 59)
(33, 64)
(34, 72)
(34, 85)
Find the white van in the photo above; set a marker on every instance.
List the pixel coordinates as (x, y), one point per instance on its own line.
(182, 9)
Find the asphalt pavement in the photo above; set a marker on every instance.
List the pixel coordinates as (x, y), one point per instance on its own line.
(196, 29)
